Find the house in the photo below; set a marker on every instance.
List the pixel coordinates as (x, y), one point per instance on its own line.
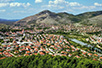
(90, 54)
(70, 55)
(35, 53)
(28, 48)
(100, 58)
(1, 53)
(94, 59)
(77, 56)
(28, 52)
(96, 55)
(41, 53)
(67, 50)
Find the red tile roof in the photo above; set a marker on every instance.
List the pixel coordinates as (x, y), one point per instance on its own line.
(41, 53)
(100, 57)
(28, 47)
(35, 53)
(95, 55)
(27, 51)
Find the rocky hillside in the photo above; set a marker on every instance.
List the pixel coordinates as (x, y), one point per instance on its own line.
(96, 21)
(89, 14)
(45, 16)
(49, 17)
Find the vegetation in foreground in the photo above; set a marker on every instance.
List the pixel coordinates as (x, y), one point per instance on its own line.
(48, 61)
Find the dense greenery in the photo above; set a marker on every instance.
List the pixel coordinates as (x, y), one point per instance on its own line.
(48, 61)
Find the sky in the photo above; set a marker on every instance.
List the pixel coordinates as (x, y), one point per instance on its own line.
(18, 9)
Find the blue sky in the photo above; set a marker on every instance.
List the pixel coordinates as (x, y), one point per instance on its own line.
(18, 9)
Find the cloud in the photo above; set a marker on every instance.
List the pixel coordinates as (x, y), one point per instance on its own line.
(55, 6)
(61, 4)
(67, 6)
(14, 4)
(97, 4)
(38, 1)
(3, 1)
(84, 7)
(74, 4)
(57, 2)
(3, 4)
(19, 4)
(3, 10)
(66, 3)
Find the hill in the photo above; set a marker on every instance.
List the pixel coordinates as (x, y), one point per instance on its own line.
(49, 17)
(96, 21)
(87, 15)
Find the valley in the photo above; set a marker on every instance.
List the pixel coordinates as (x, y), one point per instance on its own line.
(53, 34)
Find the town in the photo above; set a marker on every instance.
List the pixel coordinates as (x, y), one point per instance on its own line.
(19, 42)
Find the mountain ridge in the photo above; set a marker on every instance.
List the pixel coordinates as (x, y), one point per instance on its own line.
(49, 17)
